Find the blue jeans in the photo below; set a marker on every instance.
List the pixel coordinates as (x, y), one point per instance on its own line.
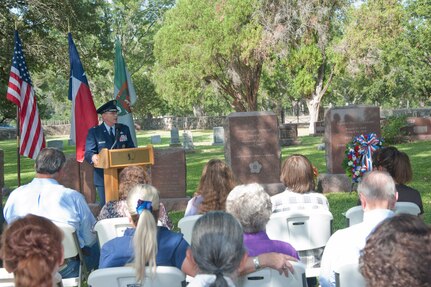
(91, 258)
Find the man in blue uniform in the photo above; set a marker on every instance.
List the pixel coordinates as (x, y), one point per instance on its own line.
(110, 135)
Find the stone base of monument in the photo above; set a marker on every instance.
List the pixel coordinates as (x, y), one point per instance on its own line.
(327, 182)
(175, 204)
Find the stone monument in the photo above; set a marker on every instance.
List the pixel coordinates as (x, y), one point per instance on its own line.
(341, 125)
(156, 139)
(218, 136)
(252, 147)
(168, 175)
(175, 137)
(188, 141)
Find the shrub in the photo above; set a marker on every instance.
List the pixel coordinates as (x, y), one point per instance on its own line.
(394, 129)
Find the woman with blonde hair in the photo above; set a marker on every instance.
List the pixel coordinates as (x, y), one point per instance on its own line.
(147, 243)
(31, 248)
(216, 182)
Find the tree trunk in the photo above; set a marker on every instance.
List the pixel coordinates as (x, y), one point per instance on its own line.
(313, 106)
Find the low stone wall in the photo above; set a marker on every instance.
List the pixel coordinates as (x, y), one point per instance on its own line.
(166, 123)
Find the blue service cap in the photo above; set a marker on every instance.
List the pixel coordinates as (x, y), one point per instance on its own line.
(110, 106)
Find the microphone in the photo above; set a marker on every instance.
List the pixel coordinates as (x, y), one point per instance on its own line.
(117, 136)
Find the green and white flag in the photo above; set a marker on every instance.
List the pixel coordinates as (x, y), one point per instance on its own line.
(124, 92)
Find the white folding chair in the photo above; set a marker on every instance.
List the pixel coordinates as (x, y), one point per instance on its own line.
(125, 277)
(186, 226)
(349, 276)
(110, 228)
(268, 277)
(407, 207)
(7, 279)
(303, 229)
(355, 214)
(73, 250)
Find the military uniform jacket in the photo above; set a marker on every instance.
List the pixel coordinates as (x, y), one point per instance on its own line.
(98, 138)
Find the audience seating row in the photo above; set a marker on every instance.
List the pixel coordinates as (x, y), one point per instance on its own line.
(173, 277)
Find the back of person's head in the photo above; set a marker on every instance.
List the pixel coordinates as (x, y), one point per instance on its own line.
(216, 182)
(251, 205)
(297, 174)
(31, 248)
(143, 206)
(398, 253)
(49, 161)
(377, 188)
(396, 162)
(129, 177)
(217, 245)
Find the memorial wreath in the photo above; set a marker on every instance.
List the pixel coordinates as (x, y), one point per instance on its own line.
(359, 153)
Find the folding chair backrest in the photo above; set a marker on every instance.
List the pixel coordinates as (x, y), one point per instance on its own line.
(110, 228)
(6, 278)
(268, 277)
(354, 215)
(186, 225)
(125, 277)
(349, 276)
(304, 230)
(407, 207)
(72, 249)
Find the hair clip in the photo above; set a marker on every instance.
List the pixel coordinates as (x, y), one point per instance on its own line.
(144, 205)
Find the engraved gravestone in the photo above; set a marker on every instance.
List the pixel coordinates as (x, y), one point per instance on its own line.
(188, 141)
(419, 128)
(156, 139)
(168, 174)
(218, 135)
(341, 125)
(288, 134)
(79, 176)
(252, 146)
(175, 137)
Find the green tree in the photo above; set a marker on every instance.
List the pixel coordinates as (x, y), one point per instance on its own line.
(210, 44)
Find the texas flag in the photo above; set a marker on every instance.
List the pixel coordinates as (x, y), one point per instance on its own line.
(84, 114)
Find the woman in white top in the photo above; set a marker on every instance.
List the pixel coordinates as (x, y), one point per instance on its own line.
(297, 175)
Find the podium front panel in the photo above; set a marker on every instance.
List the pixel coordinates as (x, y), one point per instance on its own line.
(125, 157)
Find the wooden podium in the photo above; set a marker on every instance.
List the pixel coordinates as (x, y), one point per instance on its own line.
(114, 159)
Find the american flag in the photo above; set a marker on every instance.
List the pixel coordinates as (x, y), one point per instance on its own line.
(20, 91)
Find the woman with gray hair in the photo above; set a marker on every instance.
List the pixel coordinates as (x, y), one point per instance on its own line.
(252, 206)
(217, 250)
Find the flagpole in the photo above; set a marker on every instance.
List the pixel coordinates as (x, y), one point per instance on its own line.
(18, 156)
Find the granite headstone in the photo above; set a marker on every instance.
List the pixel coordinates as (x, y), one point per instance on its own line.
(252, 146)
(341, 125)
(156, 139)
(188, 141)
(218, 135)
(288, 134)
(175, 137)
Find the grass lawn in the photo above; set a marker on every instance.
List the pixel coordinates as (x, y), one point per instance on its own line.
(419, 152)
